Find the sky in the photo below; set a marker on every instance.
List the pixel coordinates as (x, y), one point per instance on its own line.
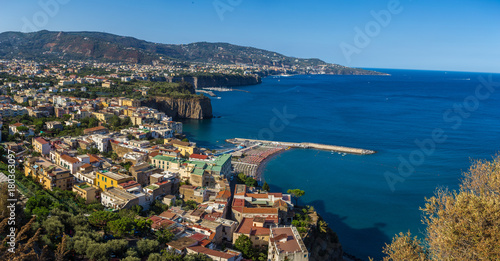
(458, 35)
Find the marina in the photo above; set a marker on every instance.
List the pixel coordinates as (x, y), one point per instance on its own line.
(303, 145)
(250, 155)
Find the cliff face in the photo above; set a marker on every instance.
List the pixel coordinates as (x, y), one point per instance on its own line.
(323, 244)
(195, 108)
(218, 80)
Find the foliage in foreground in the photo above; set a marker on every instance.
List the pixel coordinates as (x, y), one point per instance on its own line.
(461, 225)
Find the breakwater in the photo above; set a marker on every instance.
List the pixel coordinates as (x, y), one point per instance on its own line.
(304, 145)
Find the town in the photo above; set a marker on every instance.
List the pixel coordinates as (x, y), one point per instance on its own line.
(128, 171)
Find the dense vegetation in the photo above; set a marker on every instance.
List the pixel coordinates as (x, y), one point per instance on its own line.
(461, 225)
(65, 228)
(115, 123)
(133, 89)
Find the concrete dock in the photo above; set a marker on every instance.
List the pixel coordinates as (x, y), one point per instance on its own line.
(305, 145)
(211, 93)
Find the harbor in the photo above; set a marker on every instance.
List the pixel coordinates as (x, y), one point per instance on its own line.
(302, 145)
(250, 155)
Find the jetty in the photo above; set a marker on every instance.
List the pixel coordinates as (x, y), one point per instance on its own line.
(303, 145)
(207, 92)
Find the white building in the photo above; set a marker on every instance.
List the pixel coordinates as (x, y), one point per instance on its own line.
(102, 142)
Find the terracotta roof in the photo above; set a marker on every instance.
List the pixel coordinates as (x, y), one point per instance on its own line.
(198, 237)
(41, 141)
(261, 211)
(18, 124)
(224, 194)
(205, 242)
(69, 159)
(238, 202)
(210, 252)
(93, 158)
(246, 227)
(86, 165)
(168, 215)
(129, 184)
(255, 195)
(154, 154)
(198, 156)
(159, 223)
(285, 240)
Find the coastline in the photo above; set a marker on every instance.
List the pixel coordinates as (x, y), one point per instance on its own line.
(260, 169)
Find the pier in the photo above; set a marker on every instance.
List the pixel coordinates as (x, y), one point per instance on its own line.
(211, 93)
(223, 89)
(303, 145)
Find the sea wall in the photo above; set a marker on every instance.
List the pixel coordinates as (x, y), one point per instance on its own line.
(218, 80)
(191, 108)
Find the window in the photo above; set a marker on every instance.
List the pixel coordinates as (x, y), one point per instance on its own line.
(111, 182)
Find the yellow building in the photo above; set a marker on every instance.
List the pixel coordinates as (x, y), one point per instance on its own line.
(48, 174)
(185, 148)
(106, 179)
(129, 112)
(129, 102)
(87, 191)
(102, 116)
(136, 120)
(41, 146)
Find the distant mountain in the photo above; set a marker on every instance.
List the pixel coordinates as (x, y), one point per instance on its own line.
(113, 48)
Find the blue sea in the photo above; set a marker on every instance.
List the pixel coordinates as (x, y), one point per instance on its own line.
(365, 199)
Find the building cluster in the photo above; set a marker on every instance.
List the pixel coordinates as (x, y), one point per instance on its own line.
(127, 169)
(169, 172)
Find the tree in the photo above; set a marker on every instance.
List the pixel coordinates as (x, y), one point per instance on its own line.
(166, 255)
(147, 246)
(137, 209)
(101, 218)
(191, 205)
(62, 250)
(296, 193)
(461, 225)
(158, 257)
(157, 207)
(22, 128)
(241, 178)
(197, 257)
(97, 251)
(66, 117)
(53, 226)
(185, 140)
(404, 247)
(244, 244)
(250, 182)
(142, 225)
(265, 187)
(164, 235)
(121, 227)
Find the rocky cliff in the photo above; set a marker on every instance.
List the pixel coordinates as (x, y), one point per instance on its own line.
(321, 242)
(218, 80)
(191, 108)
